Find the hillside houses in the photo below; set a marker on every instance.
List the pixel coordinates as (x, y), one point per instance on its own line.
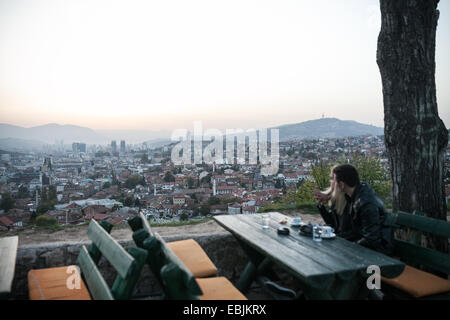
(97, 184)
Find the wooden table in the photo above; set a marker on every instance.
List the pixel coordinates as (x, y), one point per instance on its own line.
(330, 269)
(8, 252)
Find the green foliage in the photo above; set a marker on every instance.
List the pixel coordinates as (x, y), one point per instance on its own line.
(190, 183)
(372, 172)
(321, 175)
(184, 217)
(303, 195)
(232, 200)
(45, 206)
(7, 202)
(310, 155)
(176, 170)
(290, 152)
(278, 184)
(128, 202)
(213, 201)
(106, 185)
(48, 200)
(206, 179)
(205, 210)
(180, 223)
(169, 177)
(52, 195)
(44, 196)
(196, 212)
(23, 192)
(154, 169)
(133, 181)
(43, 221)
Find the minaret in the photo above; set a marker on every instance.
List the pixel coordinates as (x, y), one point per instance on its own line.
(214, 187)
(37, 199)
(154, 190)
(214, 166)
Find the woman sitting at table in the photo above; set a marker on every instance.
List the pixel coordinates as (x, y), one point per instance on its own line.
(336, 214)
(356, 212)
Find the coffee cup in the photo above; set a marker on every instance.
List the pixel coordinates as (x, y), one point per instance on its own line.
(296, 221)
(327, 231)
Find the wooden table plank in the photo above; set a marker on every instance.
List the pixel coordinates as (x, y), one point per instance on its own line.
(8, 253)
(317, 252)
(300, 265)
(316, 263)
(352, 251)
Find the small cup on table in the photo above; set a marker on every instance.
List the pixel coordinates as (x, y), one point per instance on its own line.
(327, 231)
(317, 233)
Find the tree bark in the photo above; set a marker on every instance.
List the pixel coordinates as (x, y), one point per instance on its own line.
(415, 136)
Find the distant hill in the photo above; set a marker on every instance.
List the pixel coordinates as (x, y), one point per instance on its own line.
(20, 138)
(134, 136)
(49, 133)
(9, 145)
(327, 128)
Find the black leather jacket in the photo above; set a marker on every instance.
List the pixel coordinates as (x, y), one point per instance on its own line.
(363, 220)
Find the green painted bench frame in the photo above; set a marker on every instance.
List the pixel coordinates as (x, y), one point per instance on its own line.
(412, 253)
(183, 286)
(127, 264)
(140, 222)
(175, 278)
(94, 252)
(141, 231)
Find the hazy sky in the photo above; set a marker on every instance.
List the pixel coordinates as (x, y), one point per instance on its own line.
(163, 64)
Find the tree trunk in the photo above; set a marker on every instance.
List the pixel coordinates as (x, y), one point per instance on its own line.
(415, 136)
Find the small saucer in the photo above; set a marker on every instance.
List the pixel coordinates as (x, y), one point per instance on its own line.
(296, 225)
(333, 235)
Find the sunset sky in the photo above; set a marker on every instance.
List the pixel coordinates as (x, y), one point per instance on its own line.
(160, 65)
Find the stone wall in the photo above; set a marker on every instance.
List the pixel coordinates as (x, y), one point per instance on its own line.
(222, 249)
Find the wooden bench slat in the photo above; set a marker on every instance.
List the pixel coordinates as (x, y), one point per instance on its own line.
(431, 258)
(422, 223)
(172, 277)
(93, 250)
(165, 256)
(121, 260)
(145, 224)
(140, 222)
(123, 288)
(98, 288)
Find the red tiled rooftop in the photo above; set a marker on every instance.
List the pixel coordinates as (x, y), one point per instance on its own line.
(6, 221)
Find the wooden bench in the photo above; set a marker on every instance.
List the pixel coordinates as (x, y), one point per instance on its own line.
(413, 282)
(54, 283)
(177, 280)
(188, 251)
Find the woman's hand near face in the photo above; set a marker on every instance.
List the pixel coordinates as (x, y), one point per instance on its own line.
(320, 197)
